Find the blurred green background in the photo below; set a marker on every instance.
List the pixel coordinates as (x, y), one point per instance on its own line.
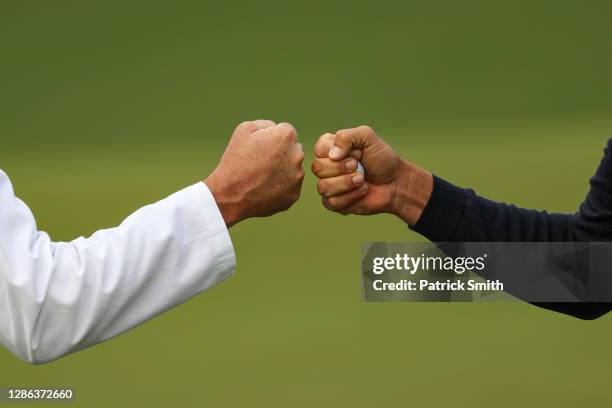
(106, 106)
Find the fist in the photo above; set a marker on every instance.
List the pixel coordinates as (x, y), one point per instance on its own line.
(345, 191)
(390, 185)
(260, 173)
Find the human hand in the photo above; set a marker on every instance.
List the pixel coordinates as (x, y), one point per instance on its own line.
(260, 173)
(390, 185)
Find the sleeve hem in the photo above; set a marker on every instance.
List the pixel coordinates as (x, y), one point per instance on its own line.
(213, 230)
(443, 213)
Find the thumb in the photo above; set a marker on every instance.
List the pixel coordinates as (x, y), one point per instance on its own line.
(348, 140)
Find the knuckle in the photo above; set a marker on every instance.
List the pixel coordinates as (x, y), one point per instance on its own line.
(342, 136)
(366, 129)
(283, 134)
(287, 128)
(320, 149)
(300, 175)
(245, 125)
(315, 167)
(295, 196)
(322, 146)
(333, 203)
(324, 139)
(328, 137)
(288, 136)
(322, 187)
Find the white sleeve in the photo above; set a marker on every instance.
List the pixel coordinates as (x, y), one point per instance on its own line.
(57, 297)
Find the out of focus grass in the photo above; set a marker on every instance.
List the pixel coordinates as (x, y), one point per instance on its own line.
(290, 327)
(107, 107)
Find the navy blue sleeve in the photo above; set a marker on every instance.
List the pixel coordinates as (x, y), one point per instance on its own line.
(455, 214)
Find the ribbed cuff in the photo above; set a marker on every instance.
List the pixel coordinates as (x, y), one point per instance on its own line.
(443, 212)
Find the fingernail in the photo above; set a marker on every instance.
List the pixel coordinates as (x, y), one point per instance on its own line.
(363, 188)
(358, 179)
(335, 152)
(351, 165)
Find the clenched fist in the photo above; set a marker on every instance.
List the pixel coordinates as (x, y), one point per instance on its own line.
(260, 172)
(390, 185)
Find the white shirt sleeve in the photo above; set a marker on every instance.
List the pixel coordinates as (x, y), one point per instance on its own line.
(60, 297)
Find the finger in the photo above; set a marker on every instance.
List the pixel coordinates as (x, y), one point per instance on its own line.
(323, 145)
(356, 154)
(324, 168)
(350, 139)
(263, 124)
(344, 202)
(326, 204)
(332, 186)
(288, 130)
(326, 142)
(253, 126)
(299, 154)
(357, 209)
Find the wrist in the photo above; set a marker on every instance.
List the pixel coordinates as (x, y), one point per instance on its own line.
(413, 188)
(230, 209)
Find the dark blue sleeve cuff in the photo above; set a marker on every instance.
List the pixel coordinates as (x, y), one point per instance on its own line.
(443, 213)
